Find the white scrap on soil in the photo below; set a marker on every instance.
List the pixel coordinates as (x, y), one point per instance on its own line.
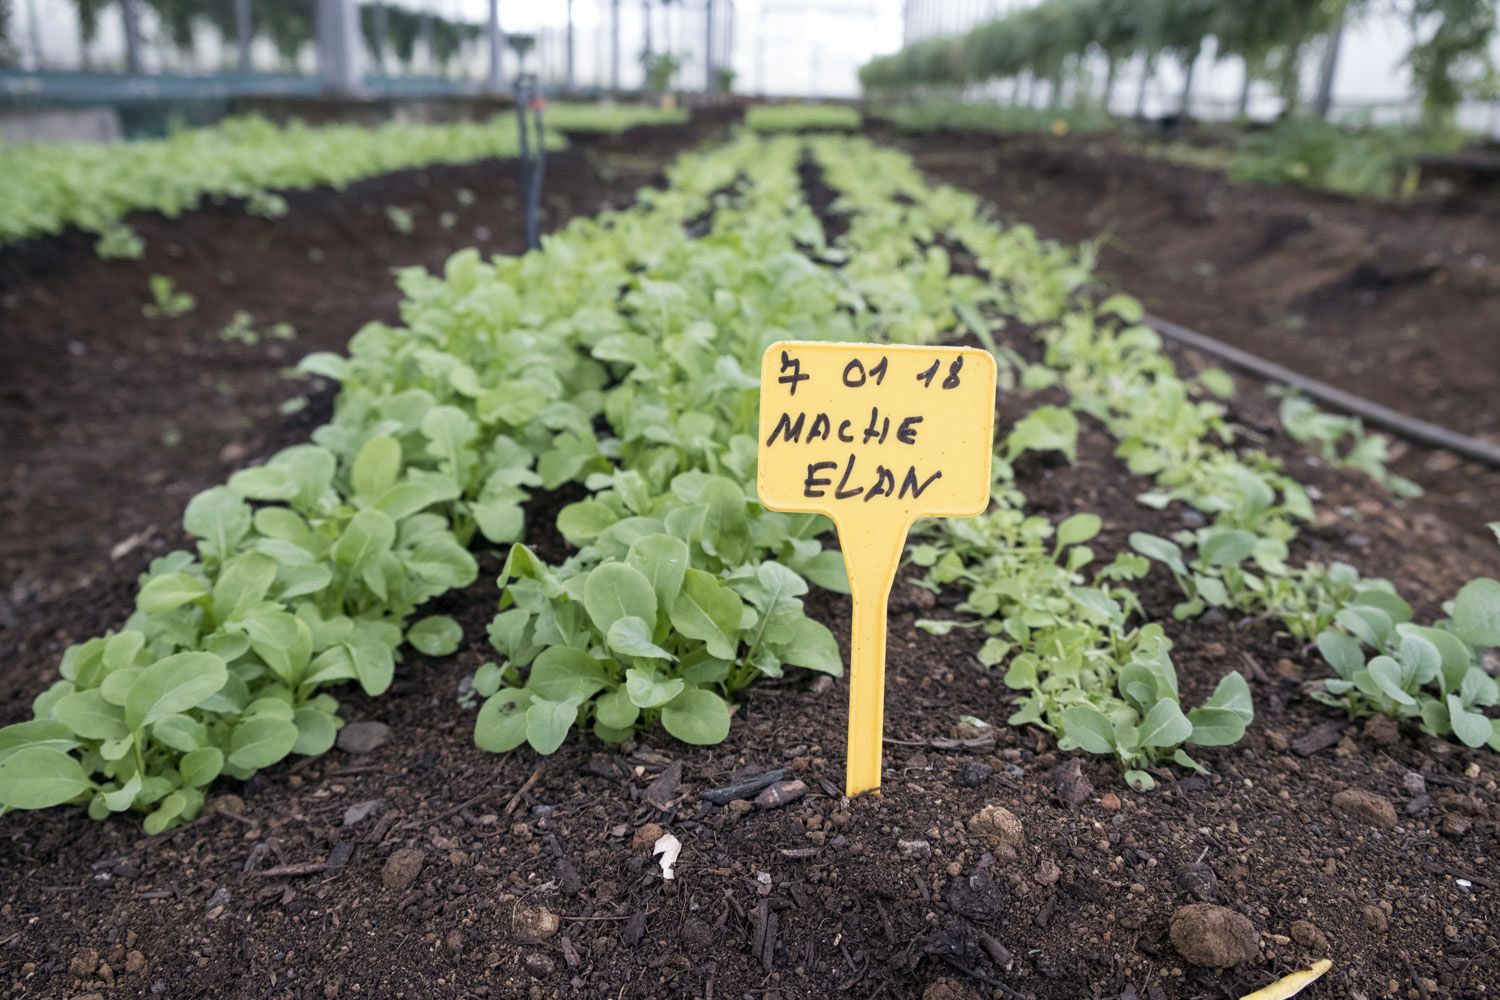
(669, 847)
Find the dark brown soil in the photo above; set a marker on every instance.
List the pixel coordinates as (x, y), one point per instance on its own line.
(422, 868)
(1397, 303)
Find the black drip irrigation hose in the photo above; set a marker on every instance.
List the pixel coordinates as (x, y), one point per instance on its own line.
(1374, 413)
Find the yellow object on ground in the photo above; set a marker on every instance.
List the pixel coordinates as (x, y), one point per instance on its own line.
(874, 437)
(1290, 986)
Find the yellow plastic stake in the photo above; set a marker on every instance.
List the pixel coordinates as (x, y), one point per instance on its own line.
(874, 436)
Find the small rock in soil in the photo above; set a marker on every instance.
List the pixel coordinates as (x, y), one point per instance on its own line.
(1306, 933)
(998, 826)
(1047, 872)
(402, 868)
(1414, 783)
(359, 811)
(920, 849)
(362, 737)
(1200, 880)
(1320, 737)
(84, 962)
(949, 989)
(1213, 936)
(1455, 825)
(1375, 919)
(539, 965)
(1382, 729)
(646, 835)
(780, 794)
(973, 774)
(1364, 806)
(1069, 785)
(534, 923)
(135, 962)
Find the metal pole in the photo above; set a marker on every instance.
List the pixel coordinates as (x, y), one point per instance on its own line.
(708, 46)
(338, 46)
(495, 82)
(569, 60)
(131, 16)
(614, 46)
(243, 32)
(1323, 102)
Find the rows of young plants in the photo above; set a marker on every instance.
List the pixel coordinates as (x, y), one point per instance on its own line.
(50, 187)
(1090, 688)
(621, 358)
(803, 117)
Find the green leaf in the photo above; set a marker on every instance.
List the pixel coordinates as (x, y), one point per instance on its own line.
(435, 635)
(201, 766)
(582, 522)
(1388, 677)
(1078, 529)
(613, 591)
(39, 777)
(173, 684)
(1160, 549)
(374, 662)
(501, 725)
(1472, 728)
(376, 466)
(1165, 725)
(663, 560)
(548, 722)
(368, 534)
(90, 716)
(564, 674)
(1233, 694)
(630, 636)
(708, 611)
(615, 710)
(647, 689)
(1476, 613)
(812, 646)
(697, 716)
(166, 814)
(121, 798)
(220, 518)
(261, 741)
(1215, 727)
(169, 590)
(1341, 652)
(1227, 547)
(1088, 729)
(316, 731)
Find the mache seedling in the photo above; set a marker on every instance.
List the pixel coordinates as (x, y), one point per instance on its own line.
(167, 302)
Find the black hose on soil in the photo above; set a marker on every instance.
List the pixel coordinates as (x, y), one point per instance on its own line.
(1374, 413)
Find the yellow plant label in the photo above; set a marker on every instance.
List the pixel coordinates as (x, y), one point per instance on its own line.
(874, 436)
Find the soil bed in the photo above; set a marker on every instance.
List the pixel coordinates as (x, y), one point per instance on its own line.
(425, 867)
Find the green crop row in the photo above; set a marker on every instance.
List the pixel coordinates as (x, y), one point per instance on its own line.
(803, 118)
(50, 187)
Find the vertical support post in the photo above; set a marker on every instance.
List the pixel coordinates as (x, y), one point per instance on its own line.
(495, 80)
(568, 78)
(338, 46)
(130, 15)
(242, 33)
(708, 46)
(614, 46)
(1328, 69)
